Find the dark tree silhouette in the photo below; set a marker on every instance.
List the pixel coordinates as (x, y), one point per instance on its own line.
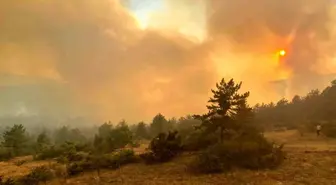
(227, 106)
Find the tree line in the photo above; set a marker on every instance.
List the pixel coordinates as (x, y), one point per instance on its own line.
(301, 112)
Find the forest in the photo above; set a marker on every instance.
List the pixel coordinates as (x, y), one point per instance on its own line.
(229, 136)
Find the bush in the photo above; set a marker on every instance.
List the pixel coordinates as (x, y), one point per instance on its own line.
(198, 140)
(7, 181)
(75, 168)
(83, 147)
(5, 154)
(243, 152)
(163, 148)
(207, 162)
(124, 157)
(20, 162)
(96, 162)
(50, 153)
(60, 171)
(329, 129)
(37, 175)
(67, 150)
(73, 156)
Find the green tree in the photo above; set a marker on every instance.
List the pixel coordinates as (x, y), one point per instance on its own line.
(15, 139)
(186, 125)
(141, 131)
(61, 135)
(158, 125)
(121, 135)
(42, 141)
(110, 138)
(105, 129)
(171, 124)
(226, 107)
(65, 134)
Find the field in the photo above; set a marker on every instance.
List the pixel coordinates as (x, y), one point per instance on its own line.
(310, 160)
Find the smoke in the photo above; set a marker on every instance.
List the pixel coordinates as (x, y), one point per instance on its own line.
(301, 27)
(90, 58)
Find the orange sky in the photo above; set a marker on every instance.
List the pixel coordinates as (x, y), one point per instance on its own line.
(97, 59)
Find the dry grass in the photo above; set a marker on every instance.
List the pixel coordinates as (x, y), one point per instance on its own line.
(295, 142)
(316, 167)
(299, 168)
(11, 169)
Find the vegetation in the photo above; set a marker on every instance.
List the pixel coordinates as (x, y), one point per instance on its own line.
(303, 113)
(97, 162)
(37, 175)
(163, 148)
(229, 136)
(238, 144)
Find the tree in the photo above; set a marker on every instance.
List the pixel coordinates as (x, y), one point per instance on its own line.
(15, 138)
(61, 135)
(171, 124)
(186, 125)
(226, 106)
(121, 135)
(66, 134)
(42, 141)
(109, 138)
(105, 129)
(76, 135)
(141, 131)
(158, 124)
(296, 99)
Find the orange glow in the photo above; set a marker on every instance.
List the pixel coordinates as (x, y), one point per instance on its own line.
(282, 53)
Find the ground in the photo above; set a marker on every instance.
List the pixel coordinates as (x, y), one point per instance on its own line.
(310, 160)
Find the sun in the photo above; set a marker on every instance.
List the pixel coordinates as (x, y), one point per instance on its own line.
(282, 53)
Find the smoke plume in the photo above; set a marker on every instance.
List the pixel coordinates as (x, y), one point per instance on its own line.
(91, 58)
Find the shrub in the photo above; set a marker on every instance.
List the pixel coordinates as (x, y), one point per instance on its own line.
(62, 159)
(7, 181)
(20, 162)
(114, 161)
(73, 156)
(244, 152)
(37, 175)
(60, 171)
(75, 168)
(207, 162)
(198, 140)
(5, 154)
(97, 162)
(163, 148)
(50, 153)
(124, 157)
(329, 129)
(83, 147)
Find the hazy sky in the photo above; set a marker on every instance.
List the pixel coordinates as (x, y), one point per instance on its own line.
(114, 59)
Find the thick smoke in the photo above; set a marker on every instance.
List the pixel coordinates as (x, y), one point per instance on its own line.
(90, 58)
(301, 27)
(99, 58)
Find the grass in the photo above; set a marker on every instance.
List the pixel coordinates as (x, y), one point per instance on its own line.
(299, 168)
(310, 160)
(11, 169)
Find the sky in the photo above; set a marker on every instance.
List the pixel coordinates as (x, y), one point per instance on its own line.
(132, 59)
(143, 10)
